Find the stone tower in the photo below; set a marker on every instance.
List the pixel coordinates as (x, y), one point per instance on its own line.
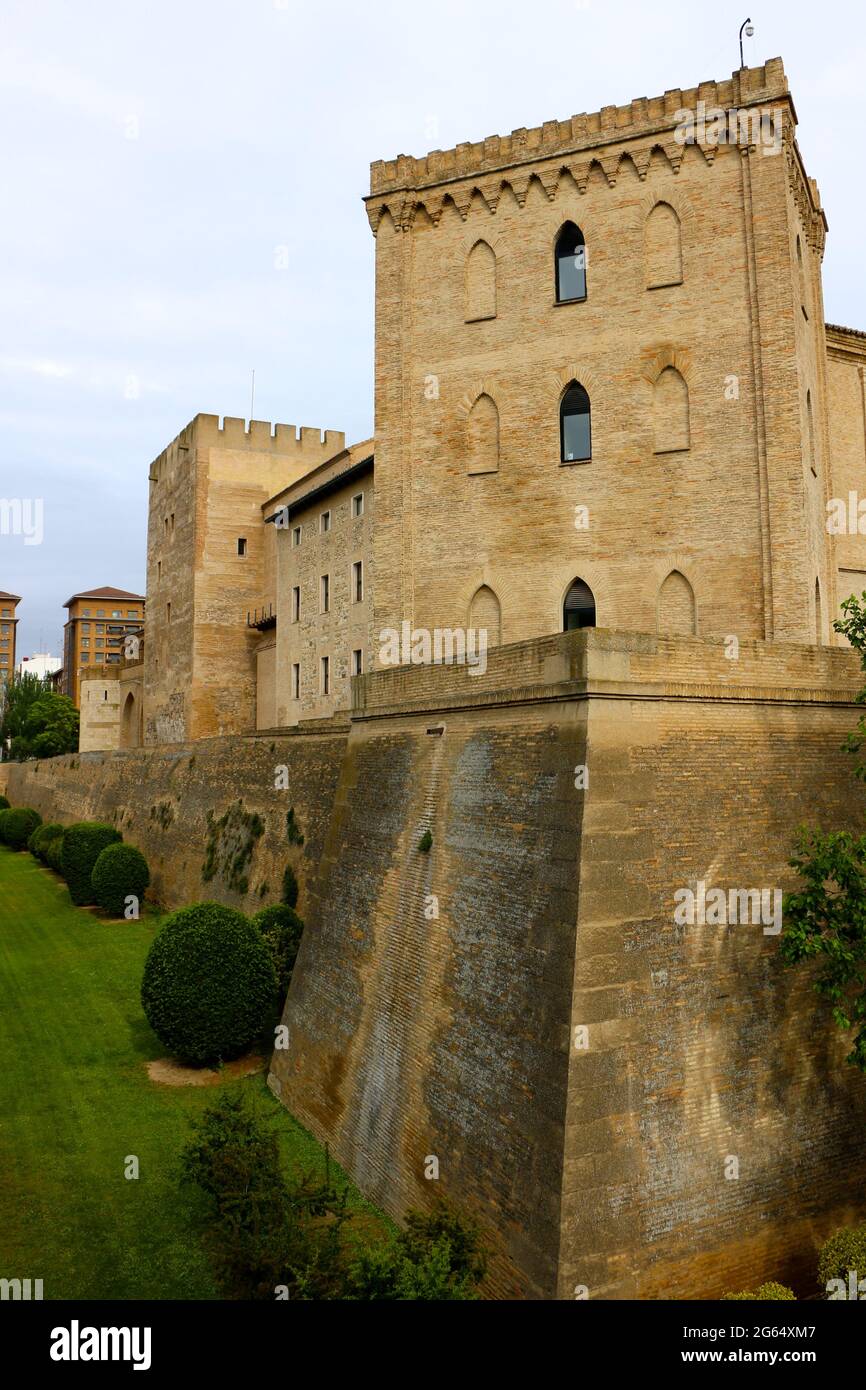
(693, 331)
(207, 569)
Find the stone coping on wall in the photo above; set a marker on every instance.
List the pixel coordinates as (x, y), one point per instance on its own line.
(599, 663)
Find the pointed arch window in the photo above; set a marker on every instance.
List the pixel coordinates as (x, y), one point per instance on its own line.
(671, 430)
(480, 283)
(663, 250)
(570, 265)
(578, 609)
(575, 425)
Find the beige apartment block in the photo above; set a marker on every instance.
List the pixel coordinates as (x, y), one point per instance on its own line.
(104, 628)
(8, 629)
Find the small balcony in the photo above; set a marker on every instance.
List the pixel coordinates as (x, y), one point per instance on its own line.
(262, 619)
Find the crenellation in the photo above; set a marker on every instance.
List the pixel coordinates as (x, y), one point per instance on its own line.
(640, 117)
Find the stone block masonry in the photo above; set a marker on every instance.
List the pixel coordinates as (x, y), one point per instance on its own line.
(582, 1069)
(160, 799)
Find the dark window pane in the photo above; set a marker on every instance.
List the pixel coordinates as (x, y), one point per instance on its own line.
(579, 607)
(575, 425)
(570, 264)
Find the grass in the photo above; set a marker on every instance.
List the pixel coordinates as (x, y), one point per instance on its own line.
(76, 1101)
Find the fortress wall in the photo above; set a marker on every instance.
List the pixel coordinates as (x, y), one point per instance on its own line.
(454, 1037)
(159, 798)
(414, 1035)
(412, 1038)
(700, 1047)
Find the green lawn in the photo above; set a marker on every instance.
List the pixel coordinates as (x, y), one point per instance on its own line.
(75, 1100)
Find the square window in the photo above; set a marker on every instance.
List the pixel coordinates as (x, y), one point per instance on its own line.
(358, 505)
(326, 675)
(325, 522)
(242, 545)
(357, 662)
(326, 593)
(296, 536)
(358, 581)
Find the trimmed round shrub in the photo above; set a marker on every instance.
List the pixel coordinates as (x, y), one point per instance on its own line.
(38, 842)
(764, 1293)
(209, 985)
(281, 928)
(844, 1251)
(54, 854)
(4, 814)
(18, 826)
(4, 803)
(82, 844)
(120, 872)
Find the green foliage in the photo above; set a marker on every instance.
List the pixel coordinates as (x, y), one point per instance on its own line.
(163, 814)
(4, 814)
(262, 1231)
(41, 838)
(4, 803)
(764, 1293)
(229, 850)
(853, 626)
(54, 854)
(20, 694)
(281, 928)
(17, 825)
(50, 728)
(82, 845)
(209, 985)
(825, 922)
(265, 1231)
(120, 871)
(844, 1251)
(290, 887)
(425, 844)
(293, 830)
(439, 1256)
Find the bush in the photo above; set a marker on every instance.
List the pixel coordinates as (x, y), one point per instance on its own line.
(38, 842)
(209, 985)
(281, 928)
(764, 1293)
(844, 1251)
(440, 1256)
(18, 825)
(4, 803)
(4, 814)
(54, 854)
(82, 845)
(262, 1231)
(120, 872)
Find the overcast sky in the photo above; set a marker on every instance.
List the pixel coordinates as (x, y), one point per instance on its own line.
(158, 155)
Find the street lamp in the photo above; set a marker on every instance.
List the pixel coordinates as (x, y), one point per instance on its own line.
(749, 28)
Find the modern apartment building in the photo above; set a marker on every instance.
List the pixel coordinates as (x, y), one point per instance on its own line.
(103, 626)
(8, 624)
